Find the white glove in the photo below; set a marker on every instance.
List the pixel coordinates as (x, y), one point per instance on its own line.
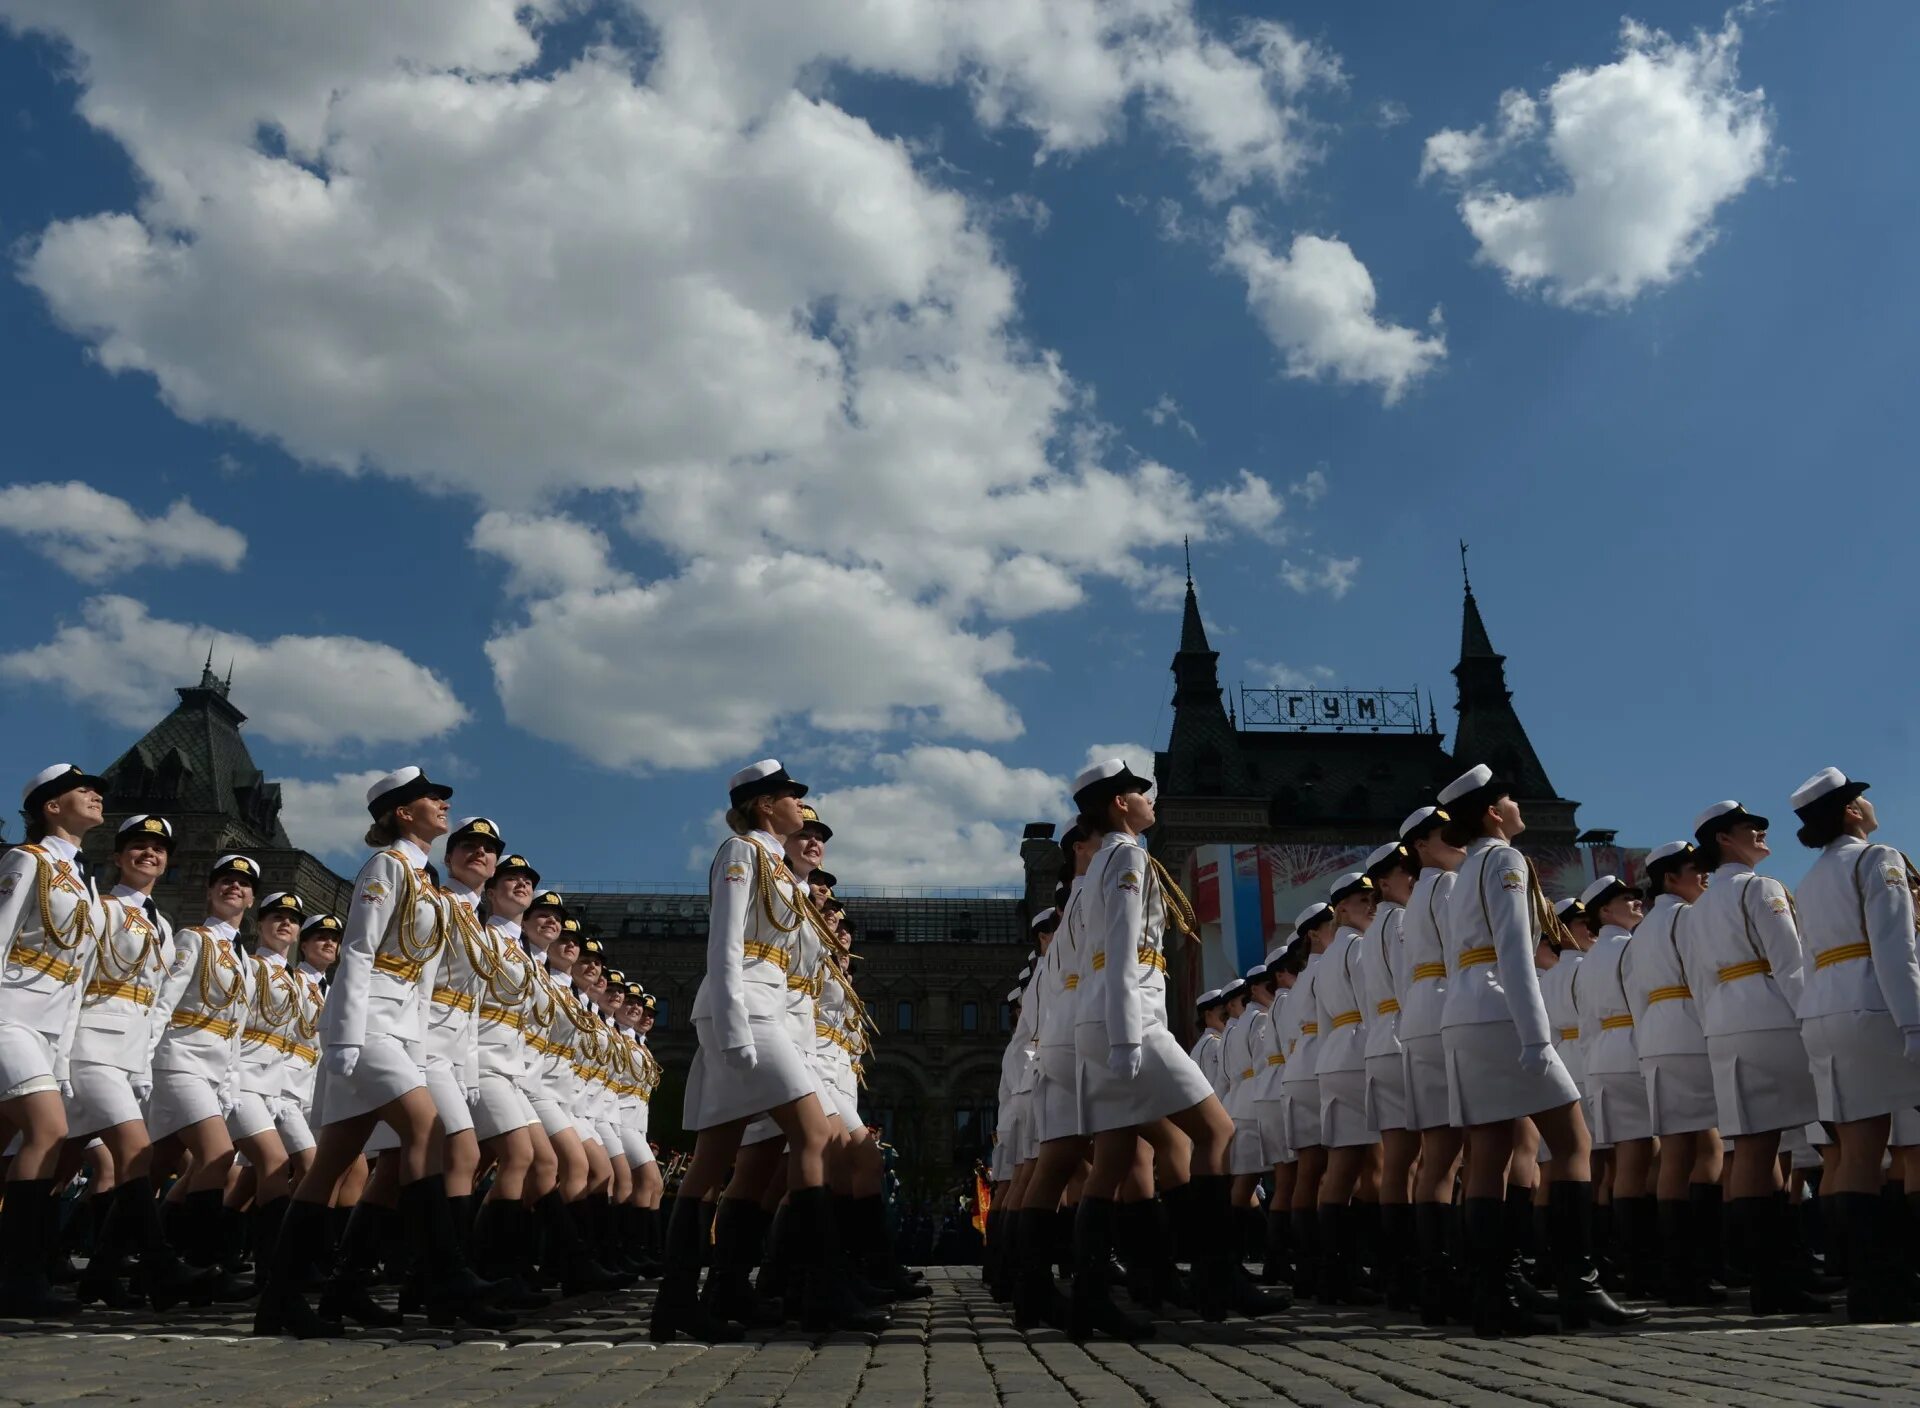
(740, 1058)
(1534, 1059)
(227, 1098)
(280, 1107)
(66, 1090)
(473, 1097)
(1123, 1059)
(142, 1087)
(342, 1059)
(1912, 1035)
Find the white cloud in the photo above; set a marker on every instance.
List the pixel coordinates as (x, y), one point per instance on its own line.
(682, 286)
(1166, 411)
(1283, 676)
(328, 817)
(1310, 487)
(313, 691)
(1389, 114)
(1316, 303)
(1329, 574)
(1641, 154)
(95, 536)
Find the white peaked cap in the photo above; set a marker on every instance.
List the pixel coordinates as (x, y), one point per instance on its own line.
(1561, 907)
(1469, 781)
(1415, 819)
(1823, 783)
(1381, 853)
(1311, 913)
(1671, 848)
(1599, 888)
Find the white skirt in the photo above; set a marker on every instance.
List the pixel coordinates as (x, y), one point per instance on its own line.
(1679, 1093)
(1761, 1082)
(588, 1131)
(296, 1135)
(249, 1116)
(844, 1090)
(449, 1098)
(1859, 1066)
(102, 1098)
(1906, 1129)
(386, 1070)
(634, 1141)
(1273, 1131)
(1617, 1105)
(1387, 1092)
(1343, 1110)
(503, 1107)
(718, 1094)
(1248, 1153)
(1056, 1096)
(554, 1117)
(611, 1139)
(1423, 1063)
(26, 1062)
(1485, 1084)
(1302, 1099)
(180, 1099)
(1168, 1083)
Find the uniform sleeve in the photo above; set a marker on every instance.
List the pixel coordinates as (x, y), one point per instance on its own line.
(1770, 915)
(250, 978)
(1503, 885)
(380, 889)
(17, 891)
(731, 883)
(1888, 904)
(89, 961)
(1122, 919)
(162, 1008)
(186, 958)
(1636, 990)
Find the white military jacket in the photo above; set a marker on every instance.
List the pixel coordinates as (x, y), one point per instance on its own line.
(1666, 1020)
(1243, 1054)
(1303, 1026)
(208, 992)
(1556, 991)
(300, 1073)
(394, 931)
(1748, 976)
(1206, 1055)
(1600, 1000)
(1338, 1005)
(1380, 963)
(118, 1024)
(511, 1000)
(457, 985)
(281, 1031)
(1123, 979)
(1490, 937)
(50, 920)
(1856, 913)
(1056, 987)
(1422, 972)
(753, 930)
(1270, 1049)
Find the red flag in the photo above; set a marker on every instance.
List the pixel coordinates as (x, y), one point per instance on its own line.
(982, 1200)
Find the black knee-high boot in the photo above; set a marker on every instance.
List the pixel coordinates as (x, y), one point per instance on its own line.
(349, 1290)
(1496, 1309)
(729, 1291)
(1430, 1221)
(283, 1310)
(1582, 1299)
(1875, 1290)
(206, 1248)
(567, 1258)
(1340, 1284)
(1274, 1270)
(828, 1302)
(26, 1232)
(677, 1309)
(1777, 1288)
(1093, 1308)
(1397, 1263)
(450, 1291)
(1306, 1253)
(1035, 1300)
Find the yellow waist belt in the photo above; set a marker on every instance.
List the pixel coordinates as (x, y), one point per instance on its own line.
(1752, 968)
(1145, 956)
(1422, 971)
(1309, 1029)
(408, 970)
(810, 986)
(1247, 1074)
(1569, 1033)
(1475, 957)
(543, 1046)
(1670, 994)
(201, 1022)
(281, 1043)
(138, 992)
(1387, 1008)
(447, 997)
(58, 969)
(1614, 1024)
(1274, 1058)
(1346, 1019)
(1073, 981)
(506, 1016)
(1846, 953)
(757, 952)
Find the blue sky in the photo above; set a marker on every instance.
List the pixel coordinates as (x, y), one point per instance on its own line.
(586, 403)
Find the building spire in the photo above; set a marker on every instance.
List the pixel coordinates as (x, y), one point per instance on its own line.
(1186, 546)
(1465, 580)
(1490, 730)
(1203, 755)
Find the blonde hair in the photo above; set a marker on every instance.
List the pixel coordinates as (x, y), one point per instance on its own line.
(746, 816)
(384, 832)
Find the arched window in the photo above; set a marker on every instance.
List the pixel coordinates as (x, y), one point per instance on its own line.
(903, 1016)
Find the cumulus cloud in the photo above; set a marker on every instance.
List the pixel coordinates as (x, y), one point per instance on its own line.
(1639, 155)
(1327, 573)
(1310, 488)
(1279, 675)
(313, 691)
(1166, 411)
(95, 536)
(1316, 302)
(328, 816)
(683, 285)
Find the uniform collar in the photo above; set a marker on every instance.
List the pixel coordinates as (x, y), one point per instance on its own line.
(565, 980)
(1115, 838)
(1734, 867)
(416, 857)
(1344, 930)
(1665, 901)
(1609, 931)
(127, 892)
(307, 970)
(220, 929)
(1841, 843)
(510, 926)
(1074, 888)
(469, 898)
(59, 848)
(1483, 843)
(268, 956)
(773, 844)
(1429, 872)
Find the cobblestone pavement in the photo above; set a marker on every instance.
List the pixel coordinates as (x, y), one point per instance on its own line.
(957, 1350)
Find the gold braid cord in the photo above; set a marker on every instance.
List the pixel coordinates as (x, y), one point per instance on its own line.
(265, 979)
(1179, 907)
(149, 947)
(769, 871)
(308, 1024)
(1545, 921)
(79, 927)
(411, 947)
(210, 959)
(483, 955)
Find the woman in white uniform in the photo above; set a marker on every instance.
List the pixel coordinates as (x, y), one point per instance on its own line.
(1860, 1017)
(371, 1069)
(269, 1042)
(1747, 980)
(1679, 1078)
(746, 1063)
(50, 921)
(1394, 872)
(208, 992)
(1501, 1064)
(1313, 930)
(1340, 1072)
(1270, 1108)
(111, 1064)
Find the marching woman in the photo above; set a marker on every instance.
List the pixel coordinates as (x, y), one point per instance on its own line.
(1270, 1108)
(1394, 872)
(1313, 928)
(208, 992)
(1679, 1077)
(111, 1064)
(1616, 1091)
(319, 948)
(1747, 979)
(50, 920)
(371, 1069)
(1135, 1081)
(1340, 1071)
(746, 1063)
(1860, 1016)
(1422, 978)
(1501, 1064)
